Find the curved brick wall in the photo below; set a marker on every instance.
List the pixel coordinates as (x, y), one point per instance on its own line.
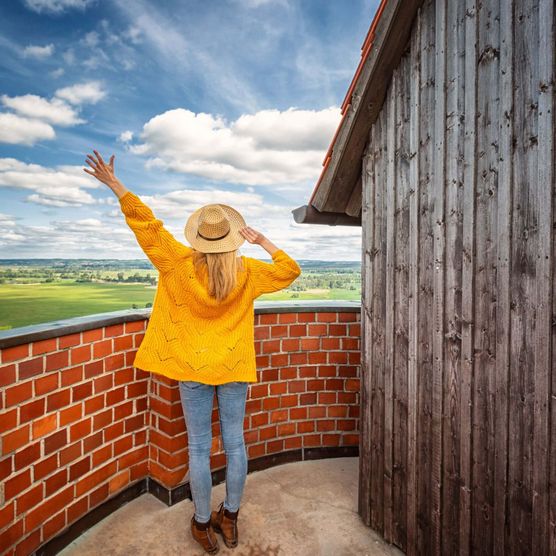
(79, 424)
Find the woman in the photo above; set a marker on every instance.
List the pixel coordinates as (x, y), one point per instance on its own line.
(201, 333)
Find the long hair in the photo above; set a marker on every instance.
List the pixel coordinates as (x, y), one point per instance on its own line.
(222, 269)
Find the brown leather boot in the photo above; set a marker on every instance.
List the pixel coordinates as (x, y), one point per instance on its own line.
(225, 522)
(203, 533)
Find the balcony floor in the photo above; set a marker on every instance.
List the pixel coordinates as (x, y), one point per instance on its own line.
(307, 507)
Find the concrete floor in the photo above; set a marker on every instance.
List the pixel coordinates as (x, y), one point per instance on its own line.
(302, 508)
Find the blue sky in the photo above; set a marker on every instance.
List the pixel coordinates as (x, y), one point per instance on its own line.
(231, 101)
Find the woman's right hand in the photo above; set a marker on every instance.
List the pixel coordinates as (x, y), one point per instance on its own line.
(251, 235)
(105, 173)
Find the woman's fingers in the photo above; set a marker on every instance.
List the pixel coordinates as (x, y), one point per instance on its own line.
(99, 157)
(100, 170)
(250, 234)
(247, 231)
(92, 159)
(100, 161)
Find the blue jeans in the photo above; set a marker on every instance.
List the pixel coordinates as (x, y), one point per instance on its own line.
(197, 401)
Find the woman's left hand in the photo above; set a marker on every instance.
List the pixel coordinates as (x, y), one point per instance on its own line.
(102, 171)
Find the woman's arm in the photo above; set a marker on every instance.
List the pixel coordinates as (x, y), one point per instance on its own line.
(155, 240)
(274, 276)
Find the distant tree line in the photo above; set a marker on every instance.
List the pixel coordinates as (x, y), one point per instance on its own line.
(315, 274)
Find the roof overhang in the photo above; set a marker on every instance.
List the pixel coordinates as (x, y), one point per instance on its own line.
(336, 198)
(310, 215)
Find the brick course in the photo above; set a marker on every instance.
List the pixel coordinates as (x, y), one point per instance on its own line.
(78, 423)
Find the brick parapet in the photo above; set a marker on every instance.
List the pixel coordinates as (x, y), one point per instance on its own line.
(78, 423)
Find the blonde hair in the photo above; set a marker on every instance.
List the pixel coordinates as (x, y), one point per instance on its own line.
(222, 269)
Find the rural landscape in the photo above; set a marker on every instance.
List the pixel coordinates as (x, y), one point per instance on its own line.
(34, 291)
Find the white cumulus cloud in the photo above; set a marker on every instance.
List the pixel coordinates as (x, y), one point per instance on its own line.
(35, 115)
(57, 6)
(181, 203)
(17, 130)
(274, 220)
(125, 136)
(265, 148)
(54, 111)
(89, 92)
(63, 186)
(39, 52)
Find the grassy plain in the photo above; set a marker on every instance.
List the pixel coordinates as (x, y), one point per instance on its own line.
(24, 304)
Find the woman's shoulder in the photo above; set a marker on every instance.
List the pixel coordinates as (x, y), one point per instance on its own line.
(244, 263)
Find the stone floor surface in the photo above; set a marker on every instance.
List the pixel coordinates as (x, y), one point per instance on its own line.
(306, 508)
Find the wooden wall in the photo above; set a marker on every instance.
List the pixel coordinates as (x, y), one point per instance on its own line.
(458, 424)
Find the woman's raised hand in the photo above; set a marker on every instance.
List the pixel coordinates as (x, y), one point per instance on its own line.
(251, 235)
(102, 171)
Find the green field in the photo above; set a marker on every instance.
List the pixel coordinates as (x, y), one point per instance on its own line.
(25, 304)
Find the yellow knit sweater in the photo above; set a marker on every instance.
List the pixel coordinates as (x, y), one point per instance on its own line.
(190, 335)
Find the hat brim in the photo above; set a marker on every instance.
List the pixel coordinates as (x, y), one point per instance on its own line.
(230, 242)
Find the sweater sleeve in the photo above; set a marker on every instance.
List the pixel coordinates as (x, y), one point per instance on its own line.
(274, 276)
(160, 246)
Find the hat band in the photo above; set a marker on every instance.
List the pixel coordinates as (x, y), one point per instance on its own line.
(212, 238)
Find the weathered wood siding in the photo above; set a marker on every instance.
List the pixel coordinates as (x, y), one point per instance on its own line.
(458, 443)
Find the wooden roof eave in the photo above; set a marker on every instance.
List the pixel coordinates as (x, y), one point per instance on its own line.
(307, 214)
(338, 190)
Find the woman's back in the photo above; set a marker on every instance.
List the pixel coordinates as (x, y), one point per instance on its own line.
(191, 335)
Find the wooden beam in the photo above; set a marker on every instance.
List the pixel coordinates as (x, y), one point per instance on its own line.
(353, 207)
(309, 215)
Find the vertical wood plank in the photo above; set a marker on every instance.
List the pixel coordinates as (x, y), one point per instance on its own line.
(378, 305)
(400, 304)
(391, 185)
(548, 104)
(425, 274)
(544, 191)
(468, 273)
(455, 55)
(413, 301)
(439, 231)
(547, 130)
(503, 233)
(523, 269)
(487, 190)
(367, 222)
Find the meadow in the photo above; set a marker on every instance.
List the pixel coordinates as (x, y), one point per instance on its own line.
(33, 293)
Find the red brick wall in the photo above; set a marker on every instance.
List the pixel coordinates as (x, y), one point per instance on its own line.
(78, 423)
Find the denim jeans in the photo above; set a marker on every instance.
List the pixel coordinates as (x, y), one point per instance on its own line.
(197, 402)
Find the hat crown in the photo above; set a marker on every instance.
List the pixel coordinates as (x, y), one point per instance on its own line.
(215, 228)
(213, 222)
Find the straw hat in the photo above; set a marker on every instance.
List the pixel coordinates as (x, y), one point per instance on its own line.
(215, 229)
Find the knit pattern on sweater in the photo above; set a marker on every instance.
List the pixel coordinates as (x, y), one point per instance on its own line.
(190, 335)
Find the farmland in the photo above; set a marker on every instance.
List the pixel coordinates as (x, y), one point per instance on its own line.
(34, 291)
